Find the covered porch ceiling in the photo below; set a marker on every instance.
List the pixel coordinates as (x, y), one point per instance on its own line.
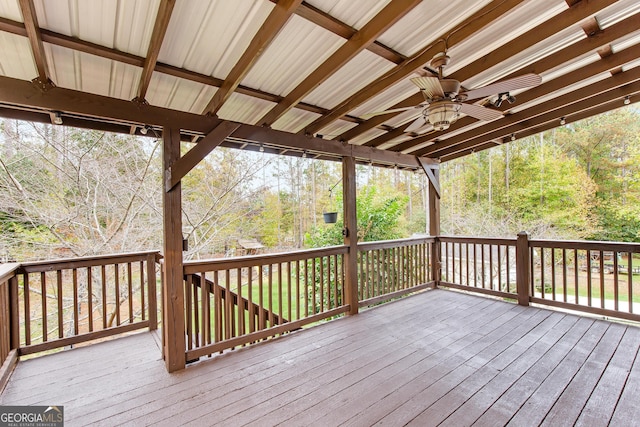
(294, 76)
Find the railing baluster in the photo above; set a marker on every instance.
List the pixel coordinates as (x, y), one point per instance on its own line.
(564, 274)
(553, 274)
(217, 304)
(59, 301)
(239, 306)
(589, 284)
(130, 291)
(103, 277)
(630, 288)
(602, 279)
(542, 271)
(117, 286)
(205, 292)
(575, 276)
(142, 298)
(616, 296)
(27, 309)
(76, 307)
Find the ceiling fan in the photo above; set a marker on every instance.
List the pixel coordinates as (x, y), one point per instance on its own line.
(444, 102)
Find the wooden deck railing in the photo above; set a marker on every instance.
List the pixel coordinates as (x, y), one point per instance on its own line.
(8, 315)
(248, 299)
(393, 268)
(65, 302)
(596, 277)
(482, 265)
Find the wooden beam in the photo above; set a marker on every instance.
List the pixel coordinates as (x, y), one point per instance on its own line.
(263, 38)
(350, 233)
(576, 14)
(574, 117)
(21, 93)
(388, 16)
(276, 138)
(30, 17)
(547, 88)
(590, 44)
(552, 117)
(429, 169)
(173, 303)
(330, 23)
(157, 36)
(468, 27)
(196, 154)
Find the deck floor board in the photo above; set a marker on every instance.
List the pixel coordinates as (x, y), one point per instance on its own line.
(437, 358)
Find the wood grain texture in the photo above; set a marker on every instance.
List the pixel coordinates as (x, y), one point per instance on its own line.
(435, 357)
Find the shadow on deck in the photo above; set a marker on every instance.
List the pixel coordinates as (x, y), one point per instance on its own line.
(436, 357)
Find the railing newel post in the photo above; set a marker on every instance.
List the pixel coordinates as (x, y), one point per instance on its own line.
(436, 261)
(523, 272)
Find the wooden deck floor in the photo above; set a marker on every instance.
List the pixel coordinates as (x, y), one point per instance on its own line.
(437, 358)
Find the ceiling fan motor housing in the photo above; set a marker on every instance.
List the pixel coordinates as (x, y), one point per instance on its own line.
(443, 113)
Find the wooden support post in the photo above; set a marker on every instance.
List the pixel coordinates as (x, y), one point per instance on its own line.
(152, 292)
(173, 300)
(350, 233)
(523, 272)
(434, 225)
(14, 319)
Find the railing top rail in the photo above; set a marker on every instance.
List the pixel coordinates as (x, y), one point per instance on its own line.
(479, 240)
(90, 261)
(385, 244)
(587, 245)
(8, 270)
(191, 267)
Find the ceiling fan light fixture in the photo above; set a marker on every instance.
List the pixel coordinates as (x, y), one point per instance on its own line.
(443, 114)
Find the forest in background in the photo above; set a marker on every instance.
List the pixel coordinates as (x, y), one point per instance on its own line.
(71, 192)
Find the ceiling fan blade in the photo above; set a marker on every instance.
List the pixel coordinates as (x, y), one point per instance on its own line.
(430, 86)
(417, 124)
(424, 129)
(395, 110)
(520, 82)
(479, 112)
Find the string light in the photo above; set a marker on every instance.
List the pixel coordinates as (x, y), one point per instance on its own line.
(627, 101)
(563, 121)
(513, 136)
(261, 149)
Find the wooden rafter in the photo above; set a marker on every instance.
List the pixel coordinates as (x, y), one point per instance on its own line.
(73, 43)
(32, 28)
(571, 16)
(599, 41)
(157, 36)
(341, 29)
(569, 79)
(263, 38)
(615, 87)
(388, 16)
(574, 117)
(470, 26)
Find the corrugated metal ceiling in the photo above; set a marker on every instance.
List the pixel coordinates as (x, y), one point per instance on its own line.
(204, 41)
